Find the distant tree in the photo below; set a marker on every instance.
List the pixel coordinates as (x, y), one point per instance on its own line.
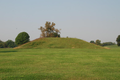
(22, 38)
(118, 40)
(10, 44)
(49, 30)
(1, 41)
(107, 43)
(2, 44)
(98, 42)
(92, 42)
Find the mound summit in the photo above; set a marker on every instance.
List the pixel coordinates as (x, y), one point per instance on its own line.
(59, 43)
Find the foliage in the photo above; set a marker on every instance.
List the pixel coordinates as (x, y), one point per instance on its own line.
(22, 38)
(98, 42)
(118, 40)
(1, 41)
(56, 35)
(7, 44)
(92, 42)
(49, 30)
(10, 44)
(107, 43)
(2, 44)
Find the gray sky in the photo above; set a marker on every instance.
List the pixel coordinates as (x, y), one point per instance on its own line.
(83, 19)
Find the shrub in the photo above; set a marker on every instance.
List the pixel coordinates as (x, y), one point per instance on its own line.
(98, 42)
(92, 42)
(56, 35)
(2, 44)
(10, 44)
(107, 43)
(1, 41)
(22, 38)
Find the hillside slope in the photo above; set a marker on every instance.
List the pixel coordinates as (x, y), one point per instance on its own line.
(59, 43)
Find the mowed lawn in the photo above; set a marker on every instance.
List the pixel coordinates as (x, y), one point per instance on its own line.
(60, 64)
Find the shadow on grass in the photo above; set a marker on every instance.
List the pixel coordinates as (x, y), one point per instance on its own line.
(4, 70)
(8, 51)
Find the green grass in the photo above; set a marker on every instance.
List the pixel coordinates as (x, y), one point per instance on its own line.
(60, 43)
(113, 46)
(60, 64)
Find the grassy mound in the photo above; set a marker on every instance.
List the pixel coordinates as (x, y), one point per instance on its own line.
(59, 43)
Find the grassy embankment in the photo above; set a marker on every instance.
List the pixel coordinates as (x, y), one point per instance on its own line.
(60, 43)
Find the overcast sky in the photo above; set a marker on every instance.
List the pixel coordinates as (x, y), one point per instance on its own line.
(84, 19)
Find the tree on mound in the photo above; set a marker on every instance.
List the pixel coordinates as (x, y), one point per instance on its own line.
(22, 38)
(98, 42)
(118, 40)
(92, 42)
(49, 30)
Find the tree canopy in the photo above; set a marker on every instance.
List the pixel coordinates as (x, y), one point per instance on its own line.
(10, 44)
(92, 42)
(22, 38)
(7, 44)
(98, 42)
(118, 40)
(49, 30)
(107, 43)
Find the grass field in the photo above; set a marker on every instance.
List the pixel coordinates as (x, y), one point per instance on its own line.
(113, 46)
(60, 64)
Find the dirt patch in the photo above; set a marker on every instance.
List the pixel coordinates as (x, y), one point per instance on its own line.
(106, 47)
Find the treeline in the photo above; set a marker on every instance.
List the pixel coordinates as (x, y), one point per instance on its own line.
(107, 43)
(98, 42)
(7, 44)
